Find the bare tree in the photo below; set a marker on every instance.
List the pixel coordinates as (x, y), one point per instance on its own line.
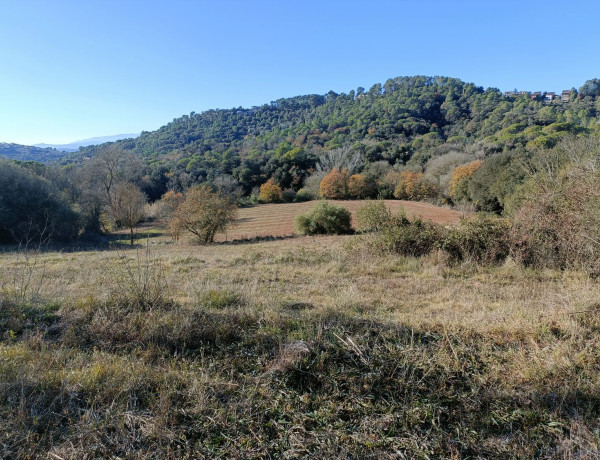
(127, 206)
(98, 178)
(228, 186)
(343, 159)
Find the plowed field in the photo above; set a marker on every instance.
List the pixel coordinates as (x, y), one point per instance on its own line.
(278, 219)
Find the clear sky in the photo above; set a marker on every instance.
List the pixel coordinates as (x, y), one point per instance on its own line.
(76, 69)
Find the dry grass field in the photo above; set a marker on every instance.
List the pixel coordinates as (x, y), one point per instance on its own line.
(295, 348)
(278, 219)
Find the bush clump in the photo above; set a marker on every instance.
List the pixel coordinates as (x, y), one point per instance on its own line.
(408, 238)
(373, 216)
(324, 219)
(288, 196)
(484, 240)
(557, 223)
(304, 195)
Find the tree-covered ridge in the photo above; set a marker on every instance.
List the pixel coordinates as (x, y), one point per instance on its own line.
(404, 122)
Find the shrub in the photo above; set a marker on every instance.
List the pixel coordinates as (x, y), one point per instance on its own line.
(288, 195)
(407, 238)
(557, 224)
(484, 240)
(304, 195)
(373, 216)
(559, 227)
(324, 218)
(139, 284)
(270, 192)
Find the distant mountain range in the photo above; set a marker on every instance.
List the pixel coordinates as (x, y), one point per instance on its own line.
(29, 153)
(74, 146)
(46, 153)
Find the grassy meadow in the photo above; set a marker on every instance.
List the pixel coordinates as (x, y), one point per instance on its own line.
(293, 348)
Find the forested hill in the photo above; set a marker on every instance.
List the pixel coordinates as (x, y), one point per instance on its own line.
(405, 121)
(30, 153)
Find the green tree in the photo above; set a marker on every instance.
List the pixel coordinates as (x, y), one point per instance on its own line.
(31, 209)
(590, 88)
(324, 218)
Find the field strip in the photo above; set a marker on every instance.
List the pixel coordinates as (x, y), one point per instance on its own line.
(277, 219)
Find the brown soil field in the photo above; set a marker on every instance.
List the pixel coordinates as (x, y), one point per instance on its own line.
(278, 219)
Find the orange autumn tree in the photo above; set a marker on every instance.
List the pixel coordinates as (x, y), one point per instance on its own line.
(334, 185)
(460, 180)
(270, 192)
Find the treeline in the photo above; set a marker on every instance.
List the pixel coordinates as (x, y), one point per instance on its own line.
(41, 202)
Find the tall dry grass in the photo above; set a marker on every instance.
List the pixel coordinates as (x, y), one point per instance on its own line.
(295, 349)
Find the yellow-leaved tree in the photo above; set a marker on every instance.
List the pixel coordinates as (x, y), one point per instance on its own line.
(270, 192)
(358, 186)
(460, 180)
(414, 186)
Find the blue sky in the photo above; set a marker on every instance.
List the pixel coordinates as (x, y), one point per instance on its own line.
(76, 69)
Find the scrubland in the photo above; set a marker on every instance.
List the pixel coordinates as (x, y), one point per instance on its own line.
(294, 348)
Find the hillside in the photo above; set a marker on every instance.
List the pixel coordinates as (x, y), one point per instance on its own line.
(405, 122)
(402, 337)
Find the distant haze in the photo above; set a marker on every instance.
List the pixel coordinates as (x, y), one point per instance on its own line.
(74, 146)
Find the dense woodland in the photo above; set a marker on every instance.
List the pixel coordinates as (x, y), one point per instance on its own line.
(433, 138)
